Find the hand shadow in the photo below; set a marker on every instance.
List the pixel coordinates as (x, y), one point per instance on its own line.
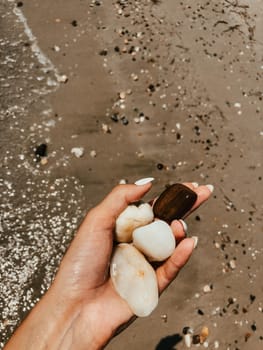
(169, 342)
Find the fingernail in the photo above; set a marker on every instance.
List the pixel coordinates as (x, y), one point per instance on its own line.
(210, 187)
(195, 184)
(195, 239)
(184, 225)
(144, 181)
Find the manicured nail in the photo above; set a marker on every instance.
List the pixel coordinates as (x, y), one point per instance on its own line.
(195, 239)
(144, 181)
(195, 184)
(184, 225)
(210, 187)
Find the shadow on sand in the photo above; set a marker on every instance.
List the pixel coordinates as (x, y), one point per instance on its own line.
(169, 342)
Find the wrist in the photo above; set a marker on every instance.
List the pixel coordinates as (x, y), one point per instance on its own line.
(46, 325)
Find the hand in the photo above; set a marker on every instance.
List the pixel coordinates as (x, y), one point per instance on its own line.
(82, 310)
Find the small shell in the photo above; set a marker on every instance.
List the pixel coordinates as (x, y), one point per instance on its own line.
(204, 334)
(134, 279)
(188, 340)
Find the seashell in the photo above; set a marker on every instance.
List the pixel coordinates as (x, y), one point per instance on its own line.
(204, 334)
(188, 340)
(134, 279)
(155, 240)
(174, 203)
(131, 218)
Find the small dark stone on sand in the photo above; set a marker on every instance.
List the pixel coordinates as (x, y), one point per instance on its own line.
(253, 327)
(115, 117)
(186, 330)
(160, 166)
(74, 23)
(151, 88)
(196, 339)
(103, 52)
(41, 150)
(125, 121)
(200, 312)
(19, 4)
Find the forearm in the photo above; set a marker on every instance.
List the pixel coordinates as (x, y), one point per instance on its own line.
(46, 326)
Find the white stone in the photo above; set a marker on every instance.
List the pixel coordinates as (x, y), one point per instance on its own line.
(188, 340)
(155, 240)
(134, 279)
(131, 218)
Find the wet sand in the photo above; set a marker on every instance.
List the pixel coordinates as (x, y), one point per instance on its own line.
(169, 89)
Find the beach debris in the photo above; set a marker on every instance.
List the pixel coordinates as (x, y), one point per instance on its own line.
(196, 339)
(44, 161)
(134, 279)
(124, 120)
(188, 339)
(204, 334)
(188, 336)
(232, 264)
(93, 153)
(74, 23)
(122, 95)
(130, 219)
(78, 151)
(40, 151)
(106, 128)
(155, 240)
(164, 317)
(201, 337)
(208, 288)
(62, 78)
(123, 182)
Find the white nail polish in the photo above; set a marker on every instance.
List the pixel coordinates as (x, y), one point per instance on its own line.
(184, 225)
(195, 184)
(195, 239)
(143, 181)
(210, 187)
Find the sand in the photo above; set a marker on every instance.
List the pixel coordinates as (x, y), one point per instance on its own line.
(169, 89)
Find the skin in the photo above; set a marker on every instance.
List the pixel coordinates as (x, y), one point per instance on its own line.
(81, 309)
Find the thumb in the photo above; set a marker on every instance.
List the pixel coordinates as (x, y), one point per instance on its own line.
(168, 271)
(104, 215)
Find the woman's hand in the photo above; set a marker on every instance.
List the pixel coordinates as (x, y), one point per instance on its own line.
(82, 310)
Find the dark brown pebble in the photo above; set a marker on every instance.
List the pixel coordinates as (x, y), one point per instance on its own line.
(200, 312)
(174, 203)
(186, 330)
(41, 151)
(196, 339)
(160, 166)
(253, 327)
(74, 23)
(103, 52)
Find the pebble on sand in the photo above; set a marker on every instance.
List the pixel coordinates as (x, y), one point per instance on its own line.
(77, 151)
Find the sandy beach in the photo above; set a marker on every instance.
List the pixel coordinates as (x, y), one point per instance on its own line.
(121, 90)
